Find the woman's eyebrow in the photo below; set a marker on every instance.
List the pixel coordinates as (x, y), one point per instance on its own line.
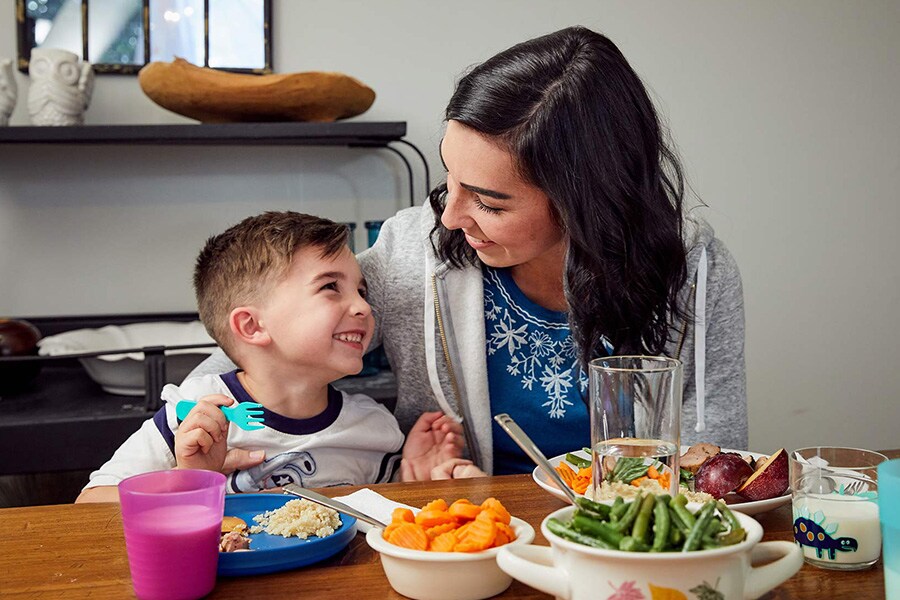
(484, 192)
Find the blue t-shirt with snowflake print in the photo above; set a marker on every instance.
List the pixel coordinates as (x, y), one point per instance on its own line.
(533, 374)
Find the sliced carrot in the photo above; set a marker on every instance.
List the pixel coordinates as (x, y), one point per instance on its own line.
(446, 542)
(409, 535)
(497, 507)
(464, 510)
(433, 518)
(439, 504)
(652, 473)
(480, 534)
(507, 531)
(433, 532)
(584, 472)
(637, 482)
(391, 527)
(403, 515)
(462, 529)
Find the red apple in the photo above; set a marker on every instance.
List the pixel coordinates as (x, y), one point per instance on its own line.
(770, 479)
(721, 474)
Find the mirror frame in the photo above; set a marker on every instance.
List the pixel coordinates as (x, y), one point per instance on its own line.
(25, 44)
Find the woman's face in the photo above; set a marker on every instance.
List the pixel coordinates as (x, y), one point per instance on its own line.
(506, 220)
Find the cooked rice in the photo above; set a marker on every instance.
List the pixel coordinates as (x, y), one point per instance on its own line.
(300, 518)
(609, 491)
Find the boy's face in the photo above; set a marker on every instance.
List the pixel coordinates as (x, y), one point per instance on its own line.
(318, 317)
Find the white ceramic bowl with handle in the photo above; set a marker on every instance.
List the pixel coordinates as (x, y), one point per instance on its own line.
(576, 572)
(446, 575)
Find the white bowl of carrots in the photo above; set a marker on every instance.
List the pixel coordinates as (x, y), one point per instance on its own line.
(448, 552)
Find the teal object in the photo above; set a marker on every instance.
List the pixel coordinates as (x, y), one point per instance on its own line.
(889, 513)
(246, 415)
(272, 553)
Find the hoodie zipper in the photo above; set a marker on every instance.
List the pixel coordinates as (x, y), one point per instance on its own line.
(445, 348)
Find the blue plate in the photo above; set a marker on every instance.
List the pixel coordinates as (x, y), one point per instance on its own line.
(271, 553)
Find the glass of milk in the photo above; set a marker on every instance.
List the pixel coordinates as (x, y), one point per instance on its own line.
(834, 496)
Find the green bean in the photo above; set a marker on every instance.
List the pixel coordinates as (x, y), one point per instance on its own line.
(594, 508)
(732, 537)
(642, 521)
(630, 513)
(564, 531)
(632, 544)
(676, 538)
(714, 528)
(729, 516)
(661, 524)
(618, 509)
(680, 525)
(598, 529)
(692, 542)
(576, 460)
(679, 505)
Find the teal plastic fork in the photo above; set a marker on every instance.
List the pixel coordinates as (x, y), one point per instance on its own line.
(246, 415)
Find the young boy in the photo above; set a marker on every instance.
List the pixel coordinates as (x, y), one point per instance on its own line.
(284, 297)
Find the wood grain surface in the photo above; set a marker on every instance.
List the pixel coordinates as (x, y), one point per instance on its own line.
(78, 551)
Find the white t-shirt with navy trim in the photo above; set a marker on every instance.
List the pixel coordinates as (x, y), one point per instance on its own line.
(354, 441)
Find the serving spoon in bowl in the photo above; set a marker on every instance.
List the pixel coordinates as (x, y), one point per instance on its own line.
(512, 428)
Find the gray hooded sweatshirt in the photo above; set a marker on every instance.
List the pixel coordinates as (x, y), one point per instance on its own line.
(429, 317)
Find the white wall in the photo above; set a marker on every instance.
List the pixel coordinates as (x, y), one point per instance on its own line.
(782, 112)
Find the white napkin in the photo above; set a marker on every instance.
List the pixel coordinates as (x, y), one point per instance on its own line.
(374, 504)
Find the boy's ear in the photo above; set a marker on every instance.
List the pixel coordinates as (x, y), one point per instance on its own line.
(246, 326)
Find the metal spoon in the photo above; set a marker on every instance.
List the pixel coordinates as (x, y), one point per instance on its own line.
(296, 490)
(515, 432)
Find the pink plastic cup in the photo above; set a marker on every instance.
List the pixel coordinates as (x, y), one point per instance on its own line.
(172, 521)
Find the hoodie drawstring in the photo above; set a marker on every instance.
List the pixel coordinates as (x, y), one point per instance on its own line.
(700, 341)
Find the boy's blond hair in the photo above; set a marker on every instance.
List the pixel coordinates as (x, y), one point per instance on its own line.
(239, 266)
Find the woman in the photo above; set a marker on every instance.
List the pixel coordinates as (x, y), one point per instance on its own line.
(558, 237)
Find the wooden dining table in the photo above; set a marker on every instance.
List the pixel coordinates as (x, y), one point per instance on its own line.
(78, 551)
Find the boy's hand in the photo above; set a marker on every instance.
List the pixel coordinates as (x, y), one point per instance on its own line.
(201, 439)
(434, 439)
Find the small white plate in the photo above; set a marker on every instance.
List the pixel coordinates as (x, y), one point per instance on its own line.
(734, 501)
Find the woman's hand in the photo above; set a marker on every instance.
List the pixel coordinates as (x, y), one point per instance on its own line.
(434, 439)
(457, 468)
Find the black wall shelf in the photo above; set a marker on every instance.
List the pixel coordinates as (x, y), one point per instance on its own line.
(345, 133)
(352, 134)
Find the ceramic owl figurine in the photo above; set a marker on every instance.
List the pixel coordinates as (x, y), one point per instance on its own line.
(61, 86)
(8, 91)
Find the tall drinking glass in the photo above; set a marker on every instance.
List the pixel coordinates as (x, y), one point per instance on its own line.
(172, 521)
(635, 418)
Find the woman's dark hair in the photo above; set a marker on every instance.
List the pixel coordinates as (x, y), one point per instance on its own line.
(582, 128)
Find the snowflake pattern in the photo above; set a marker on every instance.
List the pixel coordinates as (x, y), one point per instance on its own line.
(534, 356)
